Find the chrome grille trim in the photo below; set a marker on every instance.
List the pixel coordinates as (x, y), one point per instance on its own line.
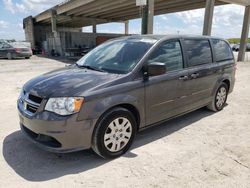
(29, 106)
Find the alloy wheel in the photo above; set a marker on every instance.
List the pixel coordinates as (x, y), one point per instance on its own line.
(117, 134)
(221, 97)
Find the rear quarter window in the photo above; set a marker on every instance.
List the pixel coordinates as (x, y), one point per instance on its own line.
(222, 50)
(198, 51)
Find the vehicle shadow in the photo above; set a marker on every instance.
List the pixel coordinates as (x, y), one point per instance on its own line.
(34, 164)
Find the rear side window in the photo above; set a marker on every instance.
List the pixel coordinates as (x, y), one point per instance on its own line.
(6, 46)
(222, 50)
(198, 52)
(168, 53)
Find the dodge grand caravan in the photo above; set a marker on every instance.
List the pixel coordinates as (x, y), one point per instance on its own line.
(122, 87)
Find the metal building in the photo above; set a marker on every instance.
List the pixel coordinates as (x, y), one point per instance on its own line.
(58, 26)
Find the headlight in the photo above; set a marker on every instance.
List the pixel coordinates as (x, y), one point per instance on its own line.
(64, 105)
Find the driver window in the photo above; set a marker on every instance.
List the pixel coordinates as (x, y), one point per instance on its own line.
(168, 53)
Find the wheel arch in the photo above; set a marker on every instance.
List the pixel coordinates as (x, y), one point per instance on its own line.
(128, 107)
(227, 82)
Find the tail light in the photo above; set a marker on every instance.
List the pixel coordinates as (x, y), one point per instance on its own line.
(18, 50)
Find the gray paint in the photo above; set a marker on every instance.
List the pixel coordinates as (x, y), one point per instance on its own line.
(156, 99)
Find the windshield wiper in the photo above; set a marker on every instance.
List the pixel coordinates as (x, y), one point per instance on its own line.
(90, 67)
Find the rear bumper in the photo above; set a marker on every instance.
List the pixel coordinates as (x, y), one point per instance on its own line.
(231, 86)
(23, 54)
(61, 135)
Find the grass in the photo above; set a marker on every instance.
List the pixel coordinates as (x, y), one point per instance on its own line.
(236, 40)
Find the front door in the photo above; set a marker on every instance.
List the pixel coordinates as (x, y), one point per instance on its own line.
(167, 94)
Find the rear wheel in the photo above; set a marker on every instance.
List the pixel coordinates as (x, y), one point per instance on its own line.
(114, 133)
(219, 99)
(9, 56)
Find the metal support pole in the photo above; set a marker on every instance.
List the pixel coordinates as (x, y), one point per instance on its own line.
(244, 34)
(94, 27)
(53, 22)
(150, 16)
(208, 18)
(28, 25)
(144, 23)
(126, 25)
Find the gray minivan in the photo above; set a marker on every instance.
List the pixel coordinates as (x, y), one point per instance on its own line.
(122, 87)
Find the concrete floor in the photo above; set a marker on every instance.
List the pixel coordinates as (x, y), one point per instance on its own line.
(200, 149)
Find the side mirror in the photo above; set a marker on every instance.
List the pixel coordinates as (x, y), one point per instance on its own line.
(155, 69)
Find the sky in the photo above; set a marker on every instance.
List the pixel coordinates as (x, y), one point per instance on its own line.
(227, 21)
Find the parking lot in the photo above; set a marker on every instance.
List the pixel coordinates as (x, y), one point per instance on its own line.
(200, 149)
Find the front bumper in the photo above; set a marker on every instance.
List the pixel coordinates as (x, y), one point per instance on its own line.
(60, 134)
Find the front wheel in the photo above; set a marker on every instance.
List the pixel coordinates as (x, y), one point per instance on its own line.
(114, 133)
(220, 98)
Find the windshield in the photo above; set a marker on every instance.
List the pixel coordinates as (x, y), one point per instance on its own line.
(118, 56)
(20, 44)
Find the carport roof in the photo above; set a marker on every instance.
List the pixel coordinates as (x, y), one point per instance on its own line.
(80, 13)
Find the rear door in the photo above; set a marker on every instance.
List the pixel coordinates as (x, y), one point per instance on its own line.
(224, 63)
(166, 95)
(199, 60)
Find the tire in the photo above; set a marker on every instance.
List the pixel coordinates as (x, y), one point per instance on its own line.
(9, 56)
(27, 57)
(221, 94)
(118, 139)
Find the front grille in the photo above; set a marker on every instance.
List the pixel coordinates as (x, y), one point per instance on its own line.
(35, 99)
(31, 103)
(31, 108)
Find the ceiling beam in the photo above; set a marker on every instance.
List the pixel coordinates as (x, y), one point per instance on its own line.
(43, 16)
(239, 2)
(108, 7)
(98, 4)
(158, 7)
(72, 5)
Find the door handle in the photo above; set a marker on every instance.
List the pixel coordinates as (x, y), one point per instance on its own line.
(194, 75)
(183, 78)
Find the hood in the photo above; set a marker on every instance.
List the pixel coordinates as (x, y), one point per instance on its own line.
(68, 82)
